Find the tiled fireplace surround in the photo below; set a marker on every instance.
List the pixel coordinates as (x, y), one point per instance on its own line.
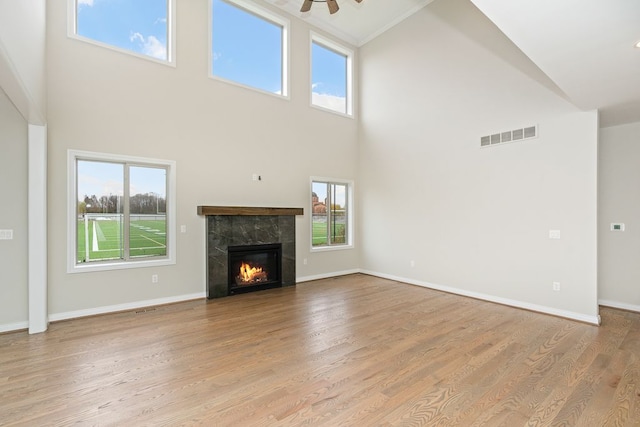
(232, 226)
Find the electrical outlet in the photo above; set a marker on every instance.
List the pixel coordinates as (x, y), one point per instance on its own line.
(6, 234)
(556, 286)
(154, 278)
(304, 261)
(183, 228)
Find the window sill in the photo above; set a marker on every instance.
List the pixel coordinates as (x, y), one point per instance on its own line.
(118, 265)
(331, 248)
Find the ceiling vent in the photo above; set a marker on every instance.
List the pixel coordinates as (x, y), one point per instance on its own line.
(509, 136)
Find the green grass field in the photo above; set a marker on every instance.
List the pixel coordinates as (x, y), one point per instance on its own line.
(319, 235)
(147, 238)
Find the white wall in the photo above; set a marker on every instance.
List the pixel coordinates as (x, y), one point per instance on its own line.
(474, 221)
(22, 56)
(219, 135)
(619, 201)
(13, 216)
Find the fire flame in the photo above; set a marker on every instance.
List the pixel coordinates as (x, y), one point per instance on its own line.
(250, 274)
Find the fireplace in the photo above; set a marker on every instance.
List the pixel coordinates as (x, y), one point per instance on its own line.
(232, 227)
(254, 267)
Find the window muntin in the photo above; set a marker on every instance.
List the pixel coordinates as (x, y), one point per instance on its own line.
(249, 46)
(121, 212)
(143, 28)
(331, 217)
(331, 76)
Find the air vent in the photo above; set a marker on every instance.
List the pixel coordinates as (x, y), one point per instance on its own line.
(509, 136)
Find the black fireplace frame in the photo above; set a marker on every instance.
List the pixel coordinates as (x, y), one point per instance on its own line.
(238, 251)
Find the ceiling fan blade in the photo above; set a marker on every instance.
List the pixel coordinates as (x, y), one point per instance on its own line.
(306, 6)
(333, 6)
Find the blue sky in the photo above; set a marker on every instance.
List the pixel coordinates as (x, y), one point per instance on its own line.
(339, 196)
(246, 48)
(136, 25)
(103, 179)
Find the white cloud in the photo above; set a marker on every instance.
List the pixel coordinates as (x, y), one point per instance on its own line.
(86, 2)
(161, 21)
(331, 102)
(136, 37)
(151, 46)
(217, 55)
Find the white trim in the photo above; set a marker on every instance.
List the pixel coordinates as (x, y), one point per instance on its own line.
(594, 320)
(620, 305)
(124, 307)
(37, 220)
(72, 28)
(12, 327)
(342, 50)
(350, 214)
(267, 15)
(326, 275)
(170, 259)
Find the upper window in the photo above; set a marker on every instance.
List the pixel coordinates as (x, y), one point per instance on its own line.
(331, 213)
(331, 76)
(249, 46)
(139, 27)
(121, 211)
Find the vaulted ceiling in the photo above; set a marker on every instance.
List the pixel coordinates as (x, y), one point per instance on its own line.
(586, 47)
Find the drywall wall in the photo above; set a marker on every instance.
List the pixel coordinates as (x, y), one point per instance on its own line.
(22, 56)
(218, 134)
(13, 216)
(619, 202)
(435, 208)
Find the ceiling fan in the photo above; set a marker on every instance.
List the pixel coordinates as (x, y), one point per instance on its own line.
(332, 4)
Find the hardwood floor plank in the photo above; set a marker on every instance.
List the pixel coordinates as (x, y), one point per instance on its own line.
(348, 351)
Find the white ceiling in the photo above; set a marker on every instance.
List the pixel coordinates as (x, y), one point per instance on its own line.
(586, 47)
(355, 23)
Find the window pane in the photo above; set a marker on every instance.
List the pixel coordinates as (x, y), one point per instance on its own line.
(247, 49)
(147, 207)
(319, 215)
(99, 211)
(338, 226)
(138, 26)
(329, 79)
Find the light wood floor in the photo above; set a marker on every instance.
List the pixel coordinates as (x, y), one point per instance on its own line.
(353, 351)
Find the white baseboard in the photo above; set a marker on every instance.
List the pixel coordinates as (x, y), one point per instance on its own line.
(620, 305)
(326, 276)
(10, 327)
(124, 307)
(595, 320)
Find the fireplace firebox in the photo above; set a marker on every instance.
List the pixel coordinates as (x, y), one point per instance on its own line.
(254, 267)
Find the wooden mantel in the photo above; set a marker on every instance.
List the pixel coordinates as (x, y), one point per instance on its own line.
(247, 210)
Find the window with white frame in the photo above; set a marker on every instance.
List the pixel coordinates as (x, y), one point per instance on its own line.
(331, 75)
(331, 213)
(249, 46)
(121, 211)
(140, 27)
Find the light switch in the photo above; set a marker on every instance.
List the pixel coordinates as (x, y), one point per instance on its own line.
(554, 234)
